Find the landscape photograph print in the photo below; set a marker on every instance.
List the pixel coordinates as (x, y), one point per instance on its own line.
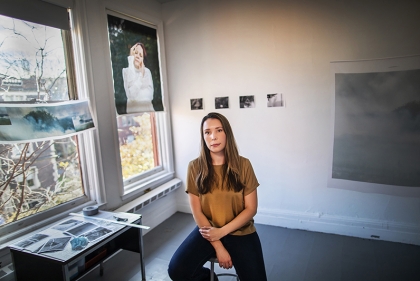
(31, 122)
(377, 127)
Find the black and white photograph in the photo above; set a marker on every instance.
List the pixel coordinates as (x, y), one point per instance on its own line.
(275, 100)
(376, 130)
(96, 233)
(196, 104)
(246, 102)
(221, 102)
(67, 224)
(31, 240)
(55, 244)
(80, 229)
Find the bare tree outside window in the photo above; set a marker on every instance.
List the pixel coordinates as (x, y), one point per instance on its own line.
(40, 175)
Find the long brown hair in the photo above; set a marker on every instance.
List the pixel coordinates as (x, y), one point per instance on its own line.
(231, 170)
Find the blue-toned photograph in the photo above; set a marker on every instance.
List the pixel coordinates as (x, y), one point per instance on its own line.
(4, 117)
(32, 122)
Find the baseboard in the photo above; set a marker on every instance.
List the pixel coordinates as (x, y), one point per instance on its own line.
(184, 208)
(356, 227)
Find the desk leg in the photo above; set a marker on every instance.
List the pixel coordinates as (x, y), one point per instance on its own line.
(143, 269)
(101, 269)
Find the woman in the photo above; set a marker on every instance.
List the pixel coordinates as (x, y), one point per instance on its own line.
(138, 83)
(221, 186)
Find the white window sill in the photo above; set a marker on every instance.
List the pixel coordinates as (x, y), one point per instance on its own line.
(136, 189)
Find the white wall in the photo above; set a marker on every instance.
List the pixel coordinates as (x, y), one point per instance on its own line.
(245, 47)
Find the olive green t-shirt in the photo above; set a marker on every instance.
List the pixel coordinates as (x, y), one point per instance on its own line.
(221, 206)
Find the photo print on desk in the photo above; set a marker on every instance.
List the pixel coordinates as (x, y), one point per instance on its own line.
(96, 233)
(80, 229)
(246, 102)
(221, 102)
(67, 224)
(54, 244)
(196, 104)
(275, 100)
(31, 240)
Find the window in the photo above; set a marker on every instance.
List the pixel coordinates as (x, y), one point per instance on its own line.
(146, 160)
(142, 124)
(36, 177)
(138, 145)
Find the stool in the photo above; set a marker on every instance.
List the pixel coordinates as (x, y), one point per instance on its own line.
(214, 260)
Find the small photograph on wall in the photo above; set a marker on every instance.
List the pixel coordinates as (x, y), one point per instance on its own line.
(275, 100)
(196, 104)
(246, 102)
(135, 65)
(221, 102)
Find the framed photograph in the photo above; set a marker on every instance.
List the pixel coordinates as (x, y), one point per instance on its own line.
(275, 100)
(221, 102)
(196, 104)
(135, 64)
(246, 102)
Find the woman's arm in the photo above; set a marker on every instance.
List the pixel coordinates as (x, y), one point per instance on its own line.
(201, 220)
(251, 204)
(195, 204)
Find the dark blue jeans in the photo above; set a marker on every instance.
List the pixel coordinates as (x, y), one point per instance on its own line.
(245, 251)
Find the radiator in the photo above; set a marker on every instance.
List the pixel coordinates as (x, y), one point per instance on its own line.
(155, 194)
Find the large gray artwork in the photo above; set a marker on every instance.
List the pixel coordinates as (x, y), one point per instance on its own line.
(377, 127)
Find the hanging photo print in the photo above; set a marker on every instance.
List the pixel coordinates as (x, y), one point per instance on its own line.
(246, 102)
(275, 100)
(221, 102)
(376, 121)
(196, 104)
(43, 121)
(135, 66)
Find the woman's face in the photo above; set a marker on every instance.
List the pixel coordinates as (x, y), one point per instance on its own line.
(214, 136)
(138, 57)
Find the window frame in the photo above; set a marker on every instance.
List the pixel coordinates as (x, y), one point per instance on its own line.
(75, 66)
(145, 182)
(156, 151)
